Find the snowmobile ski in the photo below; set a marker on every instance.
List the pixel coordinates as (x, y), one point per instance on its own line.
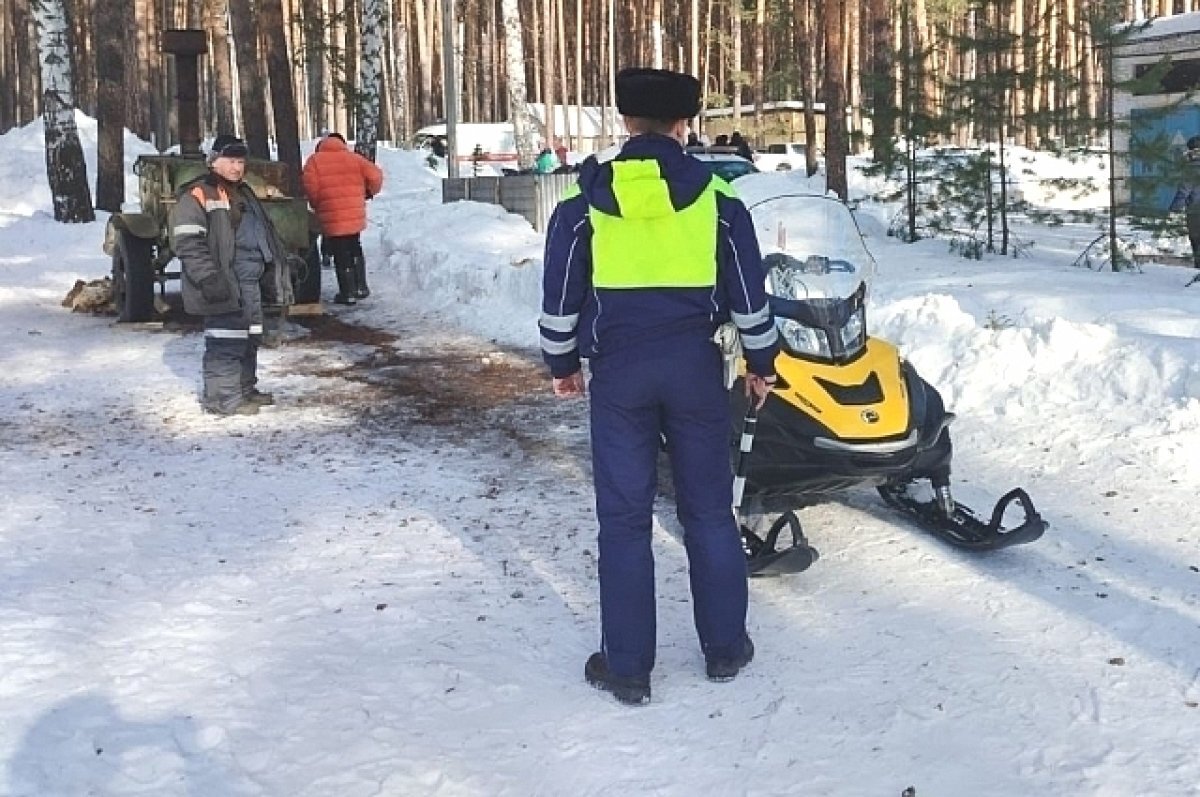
(961, 526)
(765, 558)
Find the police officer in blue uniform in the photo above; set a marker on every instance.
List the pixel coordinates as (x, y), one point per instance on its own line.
(645, 258)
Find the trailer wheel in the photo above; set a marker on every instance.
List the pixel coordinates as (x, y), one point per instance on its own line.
(306, 277)
(133, 277)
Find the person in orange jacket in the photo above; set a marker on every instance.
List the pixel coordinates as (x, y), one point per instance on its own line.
(339, 182)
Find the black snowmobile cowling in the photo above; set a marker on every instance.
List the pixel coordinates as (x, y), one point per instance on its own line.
(847, 410)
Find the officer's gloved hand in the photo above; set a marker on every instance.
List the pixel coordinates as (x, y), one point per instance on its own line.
(214, 289)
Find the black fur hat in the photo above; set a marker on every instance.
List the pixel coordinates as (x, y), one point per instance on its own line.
(657, 94)
(1193, 142)
(227, 145)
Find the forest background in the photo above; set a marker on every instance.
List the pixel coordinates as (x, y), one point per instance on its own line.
(1034, 73)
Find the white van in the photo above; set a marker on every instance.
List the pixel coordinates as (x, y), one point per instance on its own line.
(496, 142)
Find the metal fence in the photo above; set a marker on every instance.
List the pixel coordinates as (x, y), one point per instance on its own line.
(530, 195)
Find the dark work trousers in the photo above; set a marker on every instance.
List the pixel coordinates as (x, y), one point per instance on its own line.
(342, 248)
(673, 387)
(1193, 230)
(232, 339)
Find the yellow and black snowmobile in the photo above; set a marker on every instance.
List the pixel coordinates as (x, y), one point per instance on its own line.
(847, 410)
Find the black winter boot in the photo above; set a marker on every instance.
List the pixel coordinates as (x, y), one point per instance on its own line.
(346, 288)
(361, 291)
(628, 690)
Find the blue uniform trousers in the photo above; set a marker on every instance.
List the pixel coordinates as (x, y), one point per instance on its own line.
(673, 387)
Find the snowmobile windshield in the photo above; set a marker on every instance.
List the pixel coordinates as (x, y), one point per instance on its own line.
(818, 272)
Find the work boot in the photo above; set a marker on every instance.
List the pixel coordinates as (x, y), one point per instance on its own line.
(632, 691)
(361, 291)
(346, 289)
(726, 668)
(245, 408)
(256, 396)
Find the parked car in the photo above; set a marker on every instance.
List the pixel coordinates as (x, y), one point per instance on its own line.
(781, 157)
(723, 162)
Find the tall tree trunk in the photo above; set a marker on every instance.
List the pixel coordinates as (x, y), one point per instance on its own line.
(83, 68)
(65, 166)
(547, 70)
(760, 54)
(579, 74)
(853, 48)
(29, 86)
(283, 95)
(315, 73)
(401, 85)
(694, 39)
(347, 111)
(8, 71)
(657, 34)
(424, 61)
(806, 33)
(835, 103)
(515, 61)
(370, 79)
(108, 27)
(563, 84)
(883, 104)
(222, 69)
(735, 66)
(250, 77)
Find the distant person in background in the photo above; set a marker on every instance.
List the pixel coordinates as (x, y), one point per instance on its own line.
(339, 182)
(560, 152)
(740, 144)
(546, 162)
(722, 141)
(693, 140)
(438, 146)
(1187, 198)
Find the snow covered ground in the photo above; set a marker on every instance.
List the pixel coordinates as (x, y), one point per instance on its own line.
(385, 585)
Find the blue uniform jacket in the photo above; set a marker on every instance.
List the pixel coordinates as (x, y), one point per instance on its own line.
(580, 320)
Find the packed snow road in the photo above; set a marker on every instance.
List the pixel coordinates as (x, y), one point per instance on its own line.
(385, 585)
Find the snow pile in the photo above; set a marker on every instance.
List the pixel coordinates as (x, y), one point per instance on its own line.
(1017, 339)
(24, 189)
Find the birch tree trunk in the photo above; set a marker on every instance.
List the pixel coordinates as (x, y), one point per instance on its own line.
(108, 28)
(515, 83)
(656, 34)
(369, 78)
(65, 166)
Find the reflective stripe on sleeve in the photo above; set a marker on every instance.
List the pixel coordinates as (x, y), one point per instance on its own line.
(559, 323)
(748, 320)
(763, 341)
(231, 334)
(190, 229)
(558, 346)
(256, 329)
(215, 204)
